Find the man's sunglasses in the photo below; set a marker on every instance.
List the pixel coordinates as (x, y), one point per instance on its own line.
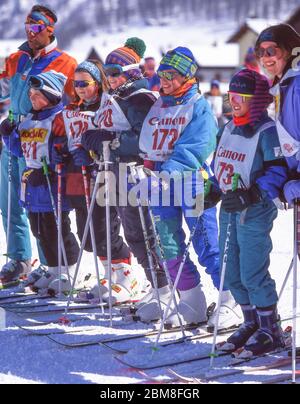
(114, 70)
(35, 28)
(83, 83)
(270, 51)
(167, 75)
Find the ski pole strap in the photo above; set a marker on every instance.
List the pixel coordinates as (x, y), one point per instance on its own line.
(45, 167)
(235, 182)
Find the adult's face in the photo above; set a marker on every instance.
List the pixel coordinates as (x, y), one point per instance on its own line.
(272, 58)
(149, 68)
(37, 40)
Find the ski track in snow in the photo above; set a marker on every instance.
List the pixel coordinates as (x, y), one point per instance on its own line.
(36, 359)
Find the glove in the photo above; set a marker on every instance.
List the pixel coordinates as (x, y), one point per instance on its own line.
(241, 199)
(60, 152)
(292, 191)
(7, 127)
(93, 139)
(212, 197)
(35, 177)
(81, 157)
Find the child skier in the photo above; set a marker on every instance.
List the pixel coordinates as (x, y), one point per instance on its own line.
(178, 135)
(34, 141)
(90, 83)
(120, 119)
(249, 150)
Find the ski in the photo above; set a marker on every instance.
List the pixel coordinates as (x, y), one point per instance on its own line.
(54, 309)
(205, 334)
(100, 341)
(281, 378)
(21, 299)
(204, 378)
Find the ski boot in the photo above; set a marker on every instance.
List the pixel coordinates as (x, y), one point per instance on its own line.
(230, 313)
(125, 286)
(269, 337)
(13, 272)
(34, 276)
(245, 331)
(192, 308)
(148, 309)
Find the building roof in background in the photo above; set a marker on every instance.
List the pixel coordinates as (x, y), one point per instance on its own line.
(256, 25)
(294, 17)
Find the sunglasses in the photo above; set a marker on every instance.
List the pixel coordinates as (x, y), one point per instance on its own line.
(83, 83)
(239, 98)
(114, 70)
(270, 51)
(35, 28)
(167, 75)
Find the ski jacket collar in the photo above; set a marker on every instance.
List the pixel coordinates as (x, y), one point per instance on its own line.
(130, 87)
(46, 113)
(49, 48)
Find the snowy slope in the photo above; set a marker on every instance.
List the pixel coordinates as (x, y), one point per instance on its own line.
(28, 359)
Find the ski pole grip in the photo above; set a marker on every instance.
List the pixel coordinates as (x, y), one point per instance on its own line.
(235, 182)
(45, 166)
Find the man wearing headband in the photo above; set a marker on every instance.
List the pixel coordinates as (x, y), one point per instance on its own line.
(39, 54)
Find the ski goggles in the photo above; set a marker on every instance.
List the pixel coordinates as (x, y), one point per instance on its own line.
(114, 70)
(168, 75)
(83, 83)
(35, 28)
(37, 84)
(270, 51)
(239, 98)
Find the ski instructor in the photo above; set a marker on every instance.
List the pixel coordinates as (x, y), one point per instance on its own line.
(39, 54)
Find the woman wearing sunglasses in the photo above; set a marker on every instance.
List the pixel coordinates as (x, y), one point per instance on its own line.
(178, 135)
(89, 84)
(278, 51)
(119, 119)
(250, 172)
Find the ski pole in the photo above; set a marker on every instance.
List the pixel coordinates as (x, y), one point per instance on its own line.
(86, 230)
(92, 231)
(295, 269)
(59, 225)
(9, 190)
(286, 279)
(180, 270)
(47, 175)
(106, 157)
(235, 181)
(139, 171)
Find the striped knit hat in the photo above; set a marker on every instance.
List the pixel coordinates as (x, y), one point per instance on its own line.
(180, 59)
(130, 54)
(250, 82)
(51, 84)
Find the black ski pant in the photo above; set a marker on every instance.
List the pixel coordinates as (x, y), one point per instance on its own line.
(44, 228)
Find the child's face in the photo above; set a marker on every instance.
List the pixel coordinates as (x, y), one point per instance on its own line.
(38, 100)
(117, 81)
(240, 104)
(85, 86)
(171, 81)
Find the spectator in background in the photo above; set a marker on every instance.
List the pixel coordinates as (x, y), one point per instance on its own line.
(151, 75)
(216, 101)
(251, 61)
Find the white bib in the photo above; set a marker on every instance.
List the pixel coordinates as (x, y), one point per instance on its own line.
(76, 123)
(34, 136)
(163, 127)
(235, 155)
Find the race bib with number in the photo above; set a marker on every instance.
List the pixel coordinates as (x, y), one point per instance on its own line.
(34, 136)
(163, 127)
(76, 123)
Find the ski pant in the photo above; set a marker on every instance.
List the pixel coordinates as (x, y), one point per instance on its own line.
(248, 260)
(134, 235)
(119, 249)
(19, 246)
(44, 228)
